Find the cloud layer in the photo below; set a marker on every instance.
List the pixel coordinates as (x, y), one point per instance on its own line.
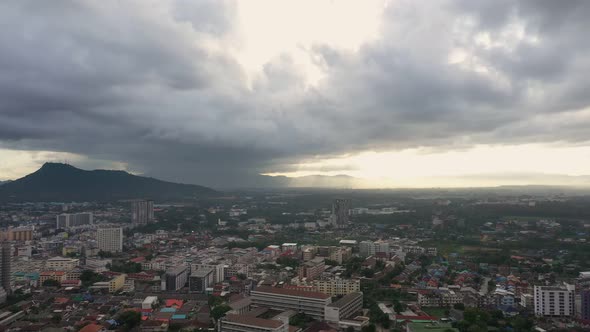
(158, 85)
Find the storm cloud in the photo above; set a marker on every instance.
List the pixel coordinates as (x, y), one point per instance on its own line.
(156, 84)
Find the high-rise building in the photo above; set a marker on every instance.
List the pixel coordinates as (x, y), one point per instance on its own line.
(110, 239)
(176, 278)
(341, 212)
(370, 248)
(69, 220)
(218, 270)
(5, 269)
(583, 296)
(200, 280)
(584, 310)
(17, 234)
(555, 301)
(142, 212)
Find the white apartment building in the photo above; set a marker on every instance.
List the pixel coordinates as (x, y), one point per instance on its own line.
(110, 239)
(555, 301)
(369, 248)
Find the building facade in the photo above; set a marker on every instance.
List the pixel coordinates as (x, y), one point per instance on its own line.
(344, 308)
(69, 220)
(555, 301)
(176, 278)
(337, 286)
(312, 269)
(142, 212)
(370, 248)
(341, 212)
(200, 280)
(309, 303)
(61, 263)
(218, 270)
(110, 239)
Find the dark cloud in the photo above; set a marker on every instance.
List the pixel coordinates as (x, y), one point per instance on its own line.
(154, 84)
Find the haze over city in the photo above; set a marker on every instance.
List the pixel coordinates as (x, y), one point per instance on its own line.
(294, 166)
(225, 93)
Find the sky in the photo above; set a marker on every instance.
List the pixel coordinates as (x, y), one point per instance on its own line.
(395, 93)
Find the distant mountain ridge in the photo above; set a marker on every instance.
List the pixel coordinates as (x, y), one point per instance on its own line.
(56, 182)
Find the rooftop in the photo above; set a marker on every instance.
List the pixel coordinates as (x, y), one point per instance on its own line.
(430, 327)
(291, 292)
(346, 299)
(253, 321)
(202, 272)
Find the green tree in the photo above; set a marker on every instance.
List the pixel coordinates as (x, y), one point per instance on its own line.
(288, 261)
(459, 306)
(369, 328)
(331, 262)
(368, 273)
(219, 311)
(89, 277)
(129, 319)
(521, 324)
(491, 286)
(214, 301)
(51, 283)
(398, 307)
(300, 320)
(56, 319)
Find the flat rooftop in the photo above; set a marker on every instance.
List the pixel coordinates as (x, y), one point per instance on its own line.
(346, 299)
(253, 321)
(291, 292)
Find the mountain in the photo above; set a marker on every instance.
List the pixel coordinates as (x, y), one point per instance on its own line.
(55, 182)
(4, 182)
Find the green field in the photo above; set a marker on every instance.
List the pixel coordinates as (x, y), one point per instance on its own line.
(435, 311)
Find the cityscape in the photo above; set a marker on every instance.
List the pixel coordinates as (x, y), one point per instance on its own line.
(294, 166)
(300, 260)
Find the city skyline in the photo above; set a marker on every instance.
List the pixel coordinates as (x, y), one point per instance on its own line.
(220, 93)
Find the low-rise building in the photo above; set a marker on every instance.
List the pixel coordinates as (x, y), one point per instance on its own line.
(245, 323)
(309, 303)
(58, 276)
(344, 308)
(61, 263)
(116, 283)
